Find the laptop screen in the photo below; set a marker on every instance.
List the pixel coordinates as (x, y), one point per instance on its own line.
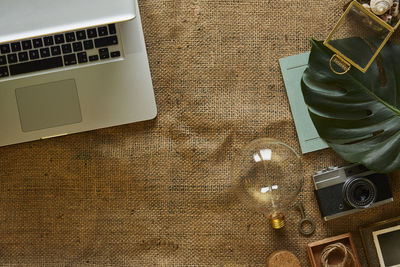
(21, 19)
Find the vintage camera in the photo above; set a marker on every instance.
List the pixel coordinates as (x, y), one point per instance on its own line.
(344, 190)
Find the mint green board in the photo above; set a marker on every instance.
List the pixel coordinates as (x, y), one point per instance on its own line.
(292, 70)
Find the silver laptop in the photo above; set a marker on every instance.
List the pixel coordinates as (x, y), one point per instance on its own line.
(71, 66)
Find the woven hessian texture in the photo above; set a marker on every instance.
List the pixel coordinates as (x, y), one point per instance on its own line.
(159, 192)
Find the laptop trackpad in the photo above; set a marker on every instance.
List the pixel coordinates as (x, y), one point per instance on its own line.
(48, 105)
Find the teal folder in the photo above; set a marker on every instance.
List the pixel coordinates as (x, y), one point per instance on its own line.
(292, 70)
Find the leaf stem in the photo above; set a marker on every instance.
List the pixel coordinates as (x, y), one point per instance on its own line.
(394, 109)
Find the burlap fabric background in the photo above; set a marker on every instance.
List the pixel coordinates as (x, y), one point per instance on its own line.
(159, 192)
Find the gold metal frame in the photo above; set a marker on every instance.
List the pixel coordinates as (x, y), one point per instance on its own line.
(372, 16)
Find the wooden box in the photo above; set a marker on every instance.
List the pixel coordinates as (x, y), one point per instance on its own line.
(314, 249)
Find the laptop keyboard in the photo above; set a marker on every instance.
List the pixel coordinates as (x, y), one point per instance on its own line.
(84, 46)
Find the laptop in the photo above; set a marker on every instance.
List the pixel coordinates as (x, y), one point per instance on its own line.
(71, 66)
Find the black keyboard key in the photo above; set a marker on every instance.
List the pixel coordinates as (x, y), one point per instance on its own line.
(115, 54)
(103, 31)
(34, 54)
(81, 35)
(82, 57)
(45, 52)
(88, 44)
(77, 46)
(59, 38)
(112, 29)
(3, 60)
(106, 41)
(37, 42)
(12, 58)
(5, 49)
(48, 40)
(23, 56)
(103, 52)
(37, 65)
(27, 44)
(4, 72)
(16, 47)
(70, 59)
(66, 48)
(93, 58)
(70, 37)
(92, 33)
(55, 50)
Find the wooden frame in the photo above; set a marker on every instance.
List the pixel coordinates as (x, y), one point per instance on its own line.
(367, 238)
(314, 249)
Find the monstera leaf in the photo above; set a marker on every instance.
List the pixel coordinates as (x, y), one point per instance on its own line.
(357, 114)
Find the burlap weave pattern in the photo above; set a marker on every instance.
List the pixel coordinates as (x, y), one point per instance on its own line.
(159, 193)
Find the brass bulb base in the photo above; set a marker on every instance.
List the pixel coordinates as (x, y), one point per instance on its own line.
(277, 220)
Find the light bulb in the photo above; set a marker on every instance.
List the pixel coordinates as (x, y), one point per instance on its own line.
(269, 177)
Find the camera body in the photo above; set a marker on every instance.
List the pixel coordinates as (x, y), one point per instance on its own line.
(345, 190)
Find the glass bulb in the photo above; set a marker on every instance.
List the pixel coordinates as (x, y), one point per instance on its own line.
(269, 177)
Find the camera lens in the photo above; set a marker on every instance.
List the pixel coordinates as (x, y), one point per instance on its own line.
(359, 193)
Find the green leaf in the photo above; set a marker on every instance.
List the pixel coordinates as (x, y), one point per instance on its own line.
(357, 114)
